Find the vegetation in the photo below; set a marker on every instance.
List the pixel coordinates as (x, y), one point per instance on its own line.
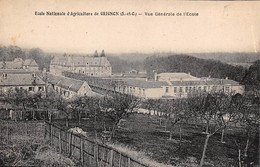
(11, 52)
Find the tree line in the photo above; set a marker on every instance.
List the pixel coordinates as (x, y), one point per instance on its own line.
(11, 52)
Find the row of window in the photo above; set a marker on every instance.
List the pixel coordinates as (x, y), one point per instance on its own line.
(30, 88)
(132, 90)
(192, 89)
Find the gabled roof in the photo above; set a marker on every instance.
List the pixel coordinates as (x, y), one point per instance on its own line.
(144, 83)
(78, 61)
(11, 65)
(15, 71)
(30, 62)
(25, 79)
(65, 82)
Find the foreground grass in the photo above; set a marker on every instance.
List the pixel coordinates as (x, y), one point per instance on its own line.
(143, 136)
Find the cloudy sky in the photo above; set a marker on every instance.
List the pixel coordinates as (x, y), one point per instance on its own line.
(220, 27)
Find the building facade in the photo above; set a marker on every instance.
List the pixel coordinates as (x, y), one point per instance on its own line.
(10, 80)
(176, 85)
(68, 87)
(87, 65)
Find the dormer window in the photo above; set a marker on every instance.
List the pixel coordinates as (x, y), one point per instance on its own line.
(4, 75)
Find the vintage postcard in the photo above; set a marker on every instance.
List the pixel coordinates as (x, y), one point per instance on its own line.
(152, 83)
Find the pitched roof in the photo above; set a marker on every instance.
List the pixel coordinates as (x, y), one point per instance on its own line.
(25, 79)
(177, 76)
(144, 83)
(80, 61)
(30, 62)
(11, 65)
(205, 81)
(65, 82)
(15, 71)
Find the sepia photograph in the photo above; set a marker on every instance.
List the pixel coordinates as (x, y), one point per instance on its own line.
(152, 83)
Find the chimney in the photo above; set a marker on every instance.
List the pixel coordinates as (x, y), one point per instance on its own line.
(155, 76)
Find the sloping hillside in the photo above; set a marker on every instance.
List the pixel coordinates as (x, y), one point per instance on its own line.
(196, 66)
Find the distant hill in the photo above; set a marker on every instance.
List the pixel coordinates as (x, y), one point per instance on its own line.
(196, 66)
(124, 66)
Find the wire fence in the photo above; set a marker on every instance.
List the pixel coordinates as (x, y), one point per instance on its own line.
(85, 151)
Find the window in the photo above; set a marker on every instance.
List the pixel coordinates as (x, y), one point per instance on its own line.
(227, 89)
(180, 89)
(167, 89)
(199, 88)
(40, 88)
(31, 88)
(186, 89)
(205, 88)
(175, 89)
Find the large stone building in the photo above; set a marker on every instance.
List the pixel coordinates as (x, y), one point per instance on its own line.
(88, 65)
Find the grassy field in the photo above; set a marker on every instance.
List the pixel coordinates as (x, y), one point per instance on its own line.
(22, 144)
(143, 133)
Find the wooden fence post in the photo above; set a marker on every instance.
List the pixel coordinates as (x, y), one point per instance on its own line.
(60, 147)
(111, 158)
(129, 162)
(45, 130)
(7, 132)
(120, 158)
(51, 130)
(95, 154)
(26, 128)
(70, 139)
(82, 150)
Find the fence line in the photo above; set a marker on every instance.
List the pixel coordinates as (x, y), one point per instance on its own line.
(85, 151)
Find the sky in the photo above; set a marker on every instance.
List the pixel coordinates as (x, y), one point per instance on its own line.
(222, 26)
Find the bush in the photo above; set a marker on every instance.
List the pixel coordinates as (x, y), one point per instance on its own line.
(50, 157)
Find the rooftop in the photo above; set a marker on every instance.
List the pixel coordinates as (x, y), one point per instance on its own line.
(30, 62)
(80, 61)
(176, 76)
(144, 83)
(65, 82)
(20, 79)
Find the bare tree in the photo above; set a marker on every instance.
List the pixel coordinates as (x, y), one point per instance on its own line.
(215, 109)
(118, 107)
(248, 111)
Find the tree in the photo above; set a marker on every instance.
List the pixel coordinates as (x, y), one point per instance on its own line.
(149, 104)
(215, 109)
(249, 119)
(118, 107)
(64, 107)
